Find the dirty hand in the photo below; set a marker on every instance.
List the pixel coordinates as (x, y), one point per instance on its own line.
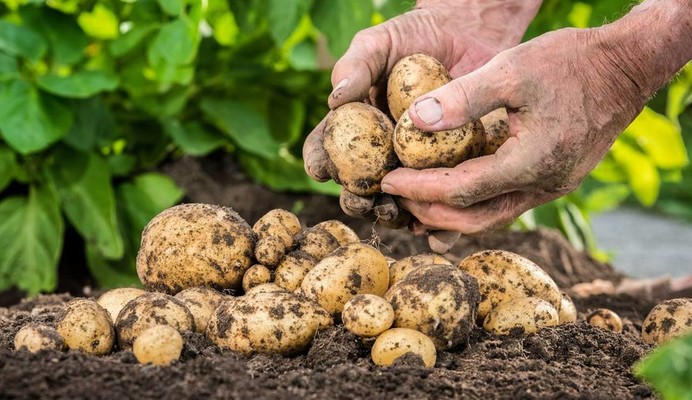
(568, 94)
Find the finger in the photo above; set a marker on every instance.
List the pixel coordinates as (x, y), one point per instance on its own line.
(354, 205)
(388, 213)
(441, 242)
(315, 158)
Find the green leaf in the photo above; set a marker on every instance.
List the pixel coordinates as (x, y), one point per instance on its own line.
(67, 41)
(606, 198)
(284, 16)
(608, 170)
(643, 176)
(225, 29)
(112, 274)
(31, 230)
(9, 68)
(8, 166)
(341, 20)
(669, 369)
(94, 125)
(172, 7)
(100, 23)
(29, 120)
(132, 39)
(193, 138)
(21, 41)
(246, 126)
(83, 183)
(285, 174)
(288, 119)
(80, 85)
(175, 43)
(392, 8)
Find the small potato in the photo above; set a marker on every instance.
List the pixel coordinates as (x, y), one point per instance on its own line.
(420, 150)
(256, 275)
(605, 319)
(86, 326)
(115, 299)
(291, 271)
(438, 300)
(270, 287)
(399, 269)
(317, 242)
(148, 310)
(37, 337)
(358, 141)
(367, 315)
(496, 130)
(412, 77)
(350, 270)
(201, 301)
(529, 314)
(158, 345)
(669, 319)
(567, 311)
(269, 250)
(503, 276)
(279, 323)
(194, 245)
(341, 232)
(398, 342)
(279, 223)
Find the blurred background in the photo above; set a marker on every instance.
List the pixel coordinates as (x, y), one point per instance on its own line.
(98, 97)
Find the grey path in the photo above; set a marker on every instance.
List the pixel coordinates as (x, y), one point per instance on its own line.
(645, 245)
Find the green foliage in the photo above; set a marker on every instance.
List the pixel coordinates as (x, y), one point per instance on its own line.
(669, 369)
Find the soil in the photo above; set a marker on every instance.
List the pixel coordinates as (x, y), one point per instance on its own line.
(570, 361)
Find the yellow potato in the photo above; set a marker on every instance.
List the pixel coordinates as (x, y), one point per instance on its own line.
(669, 319)
(496, 130)
(605, 319)
(201, 301)
(399, 269)
(317, 242)
(266, 288)
(280, 223)
(568, 311)
(398, 342)
(115, 299)
(367, 315)
(350, 270)
(158, 345)
(528, 315)
(291, 271)
(86, 326)
(256, 275)
(36, 337)
(341, 232)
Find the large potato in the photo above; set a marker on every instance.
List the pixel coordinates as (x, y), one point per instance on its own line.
(86, 326)
(669, 319)
(528, 314)
(358, 140)
(412, 77)
(115, 299)
(275, 231)
(350, 270)
(398, 342)
(503, 276)
(420, 149)
(400, 268)
(439, 300)
(195, 245)
(281, 323)
(201, 301)
(37, 337)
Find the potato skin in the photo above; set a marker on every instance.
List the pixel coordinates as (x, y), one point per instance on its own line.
(195, 245)
(667, 320)
(358, 140)
(397, 342)
(350, 270)
(256, 275)
(36, 337)
(496, 130)
(292, 270)
(568, 311)
(412, 77)
(367, 315)
(419, 149)
(158, 345)
(201, 301)
(529, 314)
(277, 323)
(270, 287)
(115, 299)
(400, 268)
(86, 326)
(341, 232)
(503, 276)
(438, 300)
(605, 319)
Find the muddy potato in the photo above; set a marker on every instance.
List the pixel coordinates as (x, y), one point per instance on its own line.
(438, 300)
(270, 287)
(605, 319)
(496, 130)
(201, 301)
(280, 323)
(36, 337)
(115, 299)
(350, 270)
(399, 269)
(367, 315)
(358, 141)
(504, 276)
(291, 271)
(669, 319)
(568, 311)
(412, 77)
(317, 242)
(195, 245)
(158, 345)
(528, 314)
(148, 310)
(86, 326)
(256, 275)
(341, 232)
(397, 342)
(275, 231)
(420, 150)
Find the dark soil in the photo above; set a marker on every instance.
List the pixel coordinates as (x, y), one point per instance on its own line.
(571, 361)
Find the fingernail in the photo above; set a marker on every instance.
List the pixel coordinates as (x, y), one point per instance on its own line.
(342, 84)
(429, 110)
(388, 188)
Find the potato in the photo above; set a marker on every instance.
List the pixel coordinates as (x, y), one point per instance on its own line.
(420, 149)
(36, 337)
(568, 311)
(195, 245)
(86, 326)
(398, 342)
(350, 270)
(148, 310)
(527, 314)
(367, 315)
(358, 141)
(158, 345)
(317, 242)
(605, 319)
(668, 320)
(438, 300)
(399, 269)
(412, 77)
(201, 301)
(496, 130)
(256, 275)
(280, 323)
(275, 231)
(503, 276)
(115, 299)
(266, 288)
(291, 271)
(341, 232)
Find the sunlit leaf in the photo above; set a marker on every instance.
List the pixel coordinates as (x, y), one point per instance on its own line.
(669, 369)
(132, 39)
(660, 138)
(100, 23)
(642, 174)
(606, 198)
(225, 29)
(284, 16)
(67, 41)
(341, 20)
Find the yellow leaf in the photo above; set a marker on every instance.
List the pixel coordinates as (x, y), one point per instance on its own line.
(100, 23)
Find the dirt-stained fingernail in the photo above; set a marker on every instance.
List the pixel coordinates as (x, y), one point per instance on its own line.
(342, 84)
(429, 110)
(388, 188)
